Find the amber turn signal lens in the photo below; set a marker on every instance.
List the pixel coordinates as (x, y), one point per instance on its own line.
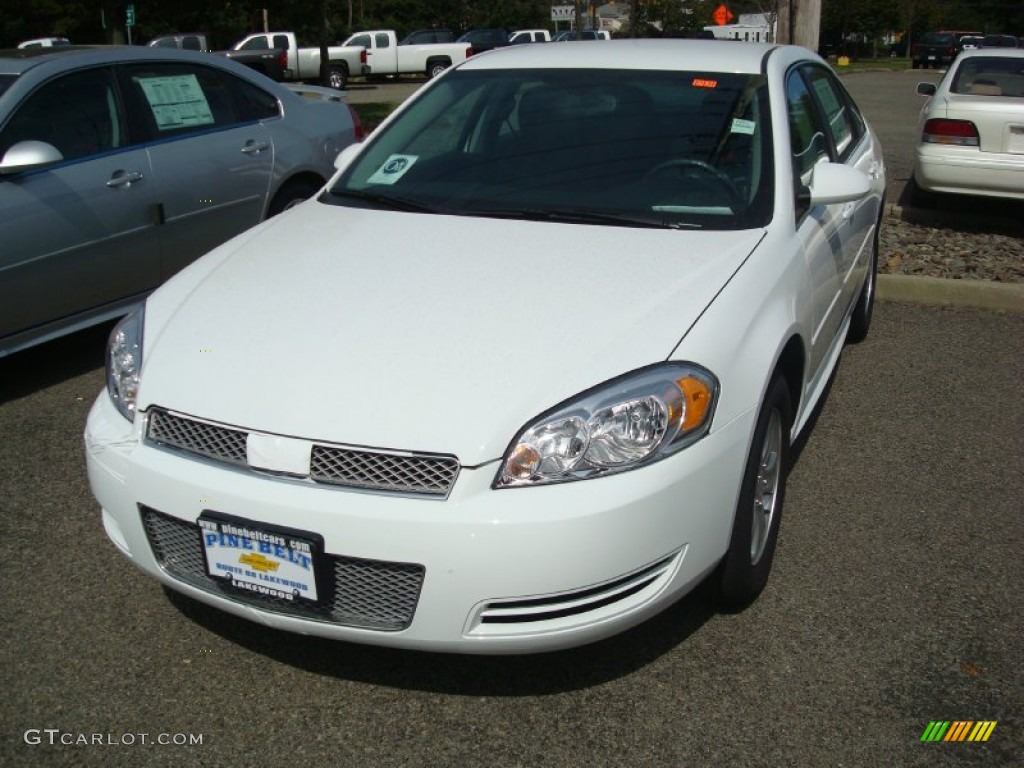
(697, 396)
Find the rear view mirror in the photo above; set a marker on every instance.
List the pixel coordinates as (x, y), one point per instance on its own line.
(26, 155)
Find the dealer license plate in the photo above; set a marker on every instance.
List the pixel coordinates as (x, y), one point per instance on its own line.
(276, 562)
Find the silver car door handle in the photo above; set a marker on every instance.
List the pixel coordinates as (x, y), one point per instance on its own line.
(124, 179)
(254, 147)
(848, 210)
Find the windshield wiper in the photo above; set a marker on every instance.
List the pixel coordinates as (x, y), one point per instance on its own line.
(389, 202)
(570, 216)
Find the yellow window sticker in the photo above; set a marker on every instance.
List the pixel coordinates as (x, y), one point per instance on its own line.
(394, 168)
(177, 101)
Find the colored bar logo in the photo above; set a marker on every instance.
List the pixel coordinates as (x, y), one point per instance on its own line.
(958, 730)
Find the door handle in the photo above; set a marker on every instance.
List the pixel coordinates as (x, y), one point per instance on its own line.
(123, 179)
(253, 147)
(848, 210)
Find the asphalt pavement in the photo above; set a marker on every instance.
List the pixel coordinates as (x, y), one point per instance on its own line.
(895, 601)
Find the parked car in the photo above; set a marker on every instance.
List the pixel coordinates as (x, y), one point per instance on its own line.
(387, 437)
(303, 63)
(521, 36)
(484, 39)
(270, 62)
(971, 130)
(44, 42)
(999, 41)
(120, 165)
(938, 49)
(587, 34)
(385, 56)
(428, 36)
(969, 42)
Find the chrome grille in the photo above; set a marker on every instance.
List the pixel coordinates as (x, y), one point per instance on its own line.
(427, 475)
(370, 594)
(199, 437)
(420, 474)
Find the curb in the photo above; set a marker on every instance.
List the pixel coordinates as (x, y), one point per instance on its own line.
(941, 291)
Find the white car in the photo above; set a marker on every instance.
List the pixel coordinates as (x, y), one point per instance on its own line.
(525, 374)
(971, 139)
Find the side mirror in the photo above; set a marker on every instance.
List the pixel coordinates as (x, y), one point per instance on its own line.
(926, 89)
(838, 183)
(345, 156)
(26, 155)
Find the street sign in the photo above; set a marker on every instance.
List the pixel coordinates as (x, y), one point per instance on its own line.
(722, 15)
(129, 16)
(563, 12)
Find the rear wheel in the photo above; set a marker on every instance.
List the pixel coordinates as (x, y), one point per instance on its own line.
(337, 78)
(744, 571)
(435, 68)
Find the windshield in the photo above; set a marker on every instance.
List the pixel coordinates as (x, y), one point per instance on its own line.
(633, 148)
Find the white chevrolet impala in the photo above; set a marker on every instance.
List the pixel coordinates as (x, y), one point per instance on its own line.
(525, 373)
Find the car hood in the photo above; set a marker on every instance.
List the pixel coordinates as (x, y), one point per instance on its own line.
(421, 333)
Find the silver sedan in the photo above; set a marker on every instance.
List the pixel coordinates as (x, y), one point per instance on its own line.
(119, 166)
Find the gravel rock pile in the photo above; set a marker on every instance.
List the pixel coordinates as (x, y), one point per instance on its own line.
(913, 249)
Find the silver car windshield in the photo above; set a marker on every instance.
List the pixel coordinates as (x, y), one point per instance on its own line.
(629, 148)
(990, 76)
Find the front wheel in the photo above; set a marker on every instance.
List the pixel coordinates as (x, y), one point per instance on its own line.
(337, 78)
(743, 573)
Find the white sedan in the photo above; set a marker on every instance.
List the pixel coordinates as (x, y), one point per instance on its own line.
(526, 373)
(971, 130)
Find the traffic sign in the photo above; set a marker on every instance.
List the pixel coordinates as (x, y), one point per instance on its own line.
(722, 15)
(129, 16)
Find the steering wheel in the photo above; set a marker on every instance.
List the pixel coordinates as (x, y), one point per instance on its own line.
(735, 198)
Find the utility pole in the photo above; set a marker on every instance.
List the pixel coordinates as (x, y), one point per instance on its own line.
(579, 19)
(799, 22)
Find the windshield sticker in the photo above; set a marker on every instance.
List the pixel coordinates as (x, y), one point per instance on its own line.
(393, 169)
(739, 125)
(177, 101)
(700, 82)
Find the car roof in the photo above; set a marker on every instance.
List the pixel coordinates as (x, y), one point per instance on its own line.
(691, 55)
(59, 59)
(988, 53)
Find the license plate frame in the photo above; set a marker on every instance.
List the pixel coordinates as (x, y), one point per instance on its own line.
(263, 560)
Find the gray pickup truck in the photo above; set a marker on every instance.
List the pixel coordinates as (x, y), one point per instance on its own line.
(269, 61)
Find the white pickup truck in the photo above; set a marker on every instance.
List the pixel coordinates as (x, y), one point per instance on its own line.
(386, 57)
(304, 63)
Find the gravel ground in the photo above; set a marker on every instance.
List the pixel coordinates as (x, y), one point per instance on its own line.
(914, 249)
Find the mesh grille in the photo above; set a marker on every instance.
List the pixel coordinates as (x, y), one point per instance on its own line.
(428, 475)
(371, 594)
(210, 440)
(371, 470)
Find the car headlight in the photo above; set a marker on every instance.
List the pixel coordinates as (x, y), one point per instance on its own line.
(124, 363)
(625, 423)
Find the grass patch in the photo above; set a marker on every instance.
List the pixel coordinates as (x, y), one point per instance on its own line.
(371, 115)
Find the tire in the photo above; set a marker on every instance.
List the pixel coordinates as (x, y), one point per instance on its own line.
(337, 78)
(291, 194)
(860, 320)
(743, 573)
(435, 68)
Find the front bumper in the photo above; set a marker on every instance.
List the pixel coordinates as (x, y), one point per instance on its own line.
(968, 171)
(509, 571)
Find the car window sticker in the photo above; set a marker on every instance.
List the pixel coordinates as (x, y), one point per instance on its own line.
(739, 125)
(177, 101)
(394, 168)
